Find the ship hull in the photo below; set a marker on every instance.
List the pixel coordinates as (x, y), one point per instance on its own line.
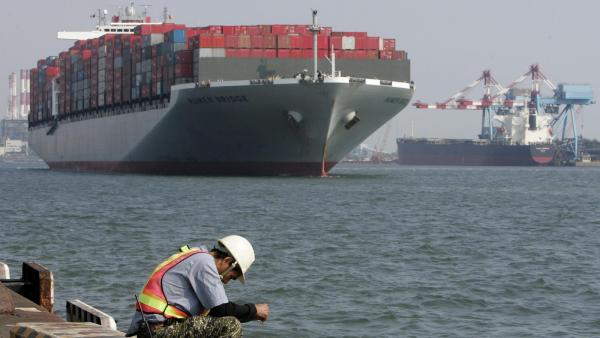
(411, 152)
(229, 128)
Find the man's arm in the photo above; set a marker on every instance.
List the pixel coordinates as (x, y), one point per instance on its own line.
(244, 313)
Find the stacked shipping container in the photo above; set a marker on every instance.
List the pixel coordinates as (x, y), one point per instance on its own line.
(116, 70)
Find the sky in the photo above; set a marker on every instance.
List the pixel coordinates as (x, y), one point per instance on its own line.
(449, 43)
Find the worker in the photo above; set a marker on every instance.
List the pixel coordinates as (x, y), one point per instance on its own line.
(184, 296)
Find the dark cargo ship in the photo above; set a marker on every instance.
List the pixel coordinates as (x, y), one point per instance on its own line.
(473, 152)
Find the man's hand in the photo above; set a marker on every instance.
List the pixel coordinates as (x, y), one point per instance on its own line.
(262, 312)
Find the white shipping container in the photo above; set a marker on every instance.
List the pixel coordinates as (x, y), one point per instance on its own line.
(156, 38)
(380, 43)
(348, 42)
(211, 52)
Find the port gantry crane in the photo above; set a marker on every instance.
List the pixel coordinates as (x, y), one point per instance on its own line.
(524, 115)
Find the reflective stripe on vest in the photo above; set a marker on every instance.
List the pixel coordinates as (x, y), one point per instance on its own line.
(152, 298)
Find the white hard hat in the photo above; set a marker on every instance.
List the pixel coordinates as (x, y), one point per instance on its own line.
(241, 250)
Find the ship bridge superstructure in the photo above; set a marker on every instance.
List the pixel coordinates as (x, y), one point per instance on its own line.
(123, 23)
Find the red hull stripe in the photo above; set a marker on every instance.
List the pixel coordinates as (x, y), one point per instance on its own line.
(195, 168)
(543, 159)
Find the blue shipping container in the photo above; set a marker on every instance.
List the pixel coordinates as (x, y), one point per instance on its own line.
(177, 36)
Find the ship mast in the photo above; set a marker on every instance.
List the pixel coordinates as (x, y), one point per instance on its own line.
(315, 29)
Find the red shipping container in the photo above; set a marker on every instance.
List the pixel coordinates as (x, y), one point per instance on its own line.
(301, 29)
(336, 42)
(296, 53)
(162, 28)
(232, 41)
(211, 41)
(279, 29)
(244, 53)
(183, 56)
(308, 53)
(326, 31)
(205, 41)
(360, 43)
(215, 29)
(360, 54)
(372, 43)
(232, 53)
(253, 30)
(270, 53)
(389, 44)
(247, 30)
(86, 54)
(256, 53)
(399, 55)
(269, 41)
(355, 34)
(218, 41)
(244, 41)
(256, 41)
(183, 70)
(228, 30)
(372, 54)
(345, 54)
(322, 42)
(386, 55)
(264, 29)
(52, 72)
(284, 41)
(104, 39)
(297, 42)
(283, 53)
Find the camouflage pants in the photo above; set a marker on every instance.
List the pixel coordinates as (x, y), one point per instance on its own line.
(224, 327)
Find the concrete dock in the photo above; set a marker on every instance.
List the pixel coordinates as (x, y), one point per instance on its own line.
(26, 310)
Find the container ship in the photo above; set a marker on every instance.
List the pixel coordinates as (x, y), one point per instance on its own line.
(519, 138)
(473, 152)
(163, 98)
(519, 126)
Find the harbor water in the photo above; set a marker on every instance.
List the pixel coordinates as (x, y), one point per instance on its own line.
(372, 250)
